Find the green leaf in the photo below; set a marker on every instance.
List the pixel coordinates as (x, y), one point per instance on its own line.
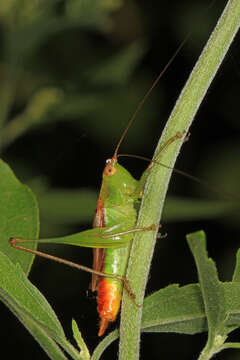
(212, 292)
(180, 310)
(84, 354)
(14, 283)
(175, 309)
(18, 216)
(32, 309)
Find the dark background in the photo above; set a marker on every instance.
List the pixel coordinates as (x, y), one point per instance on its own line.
(101, 63)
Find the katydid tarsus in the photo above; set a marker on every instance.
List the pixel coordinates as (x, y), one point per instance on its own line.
(113, 229)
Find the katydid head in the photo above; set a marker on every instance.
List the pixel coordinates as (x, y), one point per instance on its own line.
(117, 181)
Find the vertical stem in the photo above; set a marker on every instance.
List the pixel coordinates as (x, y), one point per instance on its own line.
(157, 183)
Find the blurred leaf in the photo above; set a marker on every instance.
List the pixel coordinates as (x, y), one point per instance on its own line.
(117, 70)
(51, 104)
(18, 216)
(223, 169)
(108, 103)
(28, 24)
(94, 15)
(187, 209)
(77, 206)
(31, 308)
(6, 7)
(111, 110)
(68, 206)
(36, 113)
(24, 42)
(19, 14)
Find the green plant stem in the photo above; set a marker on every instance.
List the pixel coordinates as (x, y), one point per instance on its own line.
(209, 351)
(219, 345)
(157, 183)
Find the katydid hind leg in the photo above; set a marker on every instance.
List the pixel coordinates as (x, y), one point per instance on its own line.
(104, 241)
(14, 243)
(101, 238)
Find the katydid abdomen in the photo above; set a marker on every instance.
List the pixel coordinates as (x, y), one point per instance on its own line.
(109, 289)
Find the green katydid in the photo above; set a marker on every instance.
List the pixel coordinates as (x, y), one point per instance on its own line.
(113, 229)
(111, 236)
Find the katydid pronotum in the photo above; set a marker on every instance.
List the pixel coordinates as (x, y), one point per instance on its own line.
(113, 229)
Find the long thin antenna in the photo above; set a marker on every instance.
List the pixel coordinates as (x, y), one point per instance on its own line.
(140, 105)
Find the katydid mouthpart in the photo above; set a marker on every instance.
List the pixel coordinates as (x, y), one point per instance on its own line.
(114, 226)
